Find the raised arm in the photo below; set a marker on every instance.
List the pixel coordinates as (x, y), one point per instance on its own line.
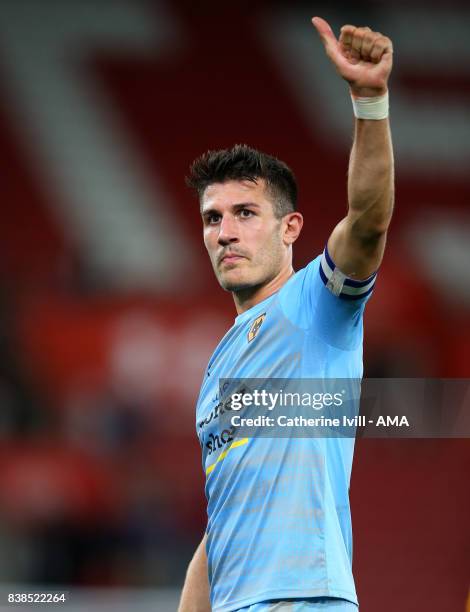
(364, 59)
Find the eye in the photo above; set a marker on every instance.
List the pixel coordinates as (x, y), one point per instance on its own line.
(246, 213)
(213, 218)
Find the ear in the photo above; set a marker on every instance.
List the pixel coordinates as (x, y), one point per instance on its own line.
(292, 226)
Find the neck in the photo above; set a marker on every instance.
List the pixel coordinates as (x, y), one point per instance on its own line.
(247, 298)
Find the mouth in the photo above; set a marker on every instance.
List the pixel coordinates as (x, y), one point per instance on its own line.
(230, 258)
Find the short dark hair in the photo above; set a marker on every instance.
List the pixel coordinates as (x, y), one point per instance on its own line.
(241, 162)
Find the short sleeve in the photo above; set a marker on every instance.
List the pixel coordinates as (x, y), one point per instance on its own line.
(324, 300)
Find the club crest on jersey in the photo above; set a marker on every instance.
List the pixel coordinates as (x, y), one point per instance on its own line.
(255, 327)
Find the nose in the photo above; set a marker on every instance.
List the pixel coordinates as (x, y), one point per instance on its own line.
(227, 230)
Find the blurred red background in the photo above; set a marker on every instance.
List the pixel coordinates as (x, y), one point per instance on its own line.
(109, 308)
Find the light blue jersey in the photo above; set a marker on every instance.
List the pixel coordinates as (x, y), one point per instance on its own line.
(279, 523)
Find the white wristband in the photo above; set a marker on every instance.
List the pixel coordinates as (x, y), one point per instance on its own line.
(371, 108)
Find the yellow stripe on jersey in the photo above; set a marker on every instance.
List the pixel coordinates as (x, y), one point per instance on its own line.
(223, 454)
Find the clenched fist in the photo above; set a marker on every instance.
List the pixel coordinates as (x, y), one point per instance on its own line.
(362, 57)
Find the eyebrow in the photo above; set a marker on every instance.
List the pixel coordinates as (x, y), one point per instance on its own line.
(235, 207)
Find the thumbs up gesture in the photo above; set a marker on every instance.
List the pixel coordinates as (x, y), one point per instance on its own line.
(361, 56)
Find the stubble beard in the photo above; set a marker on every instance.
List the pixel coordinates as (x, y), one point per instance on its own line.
(269, 268)
(233, 285)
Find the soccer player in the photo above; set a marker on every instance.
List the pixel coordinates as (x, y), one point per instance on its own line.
(278, 535)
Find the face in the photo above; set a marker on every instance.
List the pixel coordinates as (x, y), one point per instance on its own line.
(246, 243)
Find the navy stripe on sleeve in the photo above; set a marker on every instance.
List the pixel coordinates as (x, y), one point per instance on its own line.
(341, 285)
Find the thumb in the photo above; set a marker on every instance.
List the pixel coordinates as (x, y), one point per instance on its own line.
(326, 34)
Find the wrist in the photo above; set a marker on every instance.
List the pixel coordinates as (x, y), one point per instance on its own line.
(372, 108)
(367, 92)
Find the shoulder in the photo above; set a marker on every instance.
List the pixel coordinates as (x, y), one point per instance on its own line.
(323, 299)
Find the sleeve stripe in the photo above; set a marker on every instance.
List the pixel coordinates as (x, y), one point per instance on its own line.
(328, 259)
(339, 284)
(359, 296)
(347, 281)
(353, 283)
(322, 274)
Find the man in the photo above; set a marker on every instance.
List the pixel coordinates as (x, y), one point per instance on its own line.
(279, 532)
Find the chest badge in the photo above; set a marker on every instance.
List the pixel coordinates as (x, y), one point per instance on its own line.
(255, 327)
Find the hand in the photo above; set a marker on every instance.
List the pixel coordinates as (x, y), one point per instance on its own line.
(362, 57)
